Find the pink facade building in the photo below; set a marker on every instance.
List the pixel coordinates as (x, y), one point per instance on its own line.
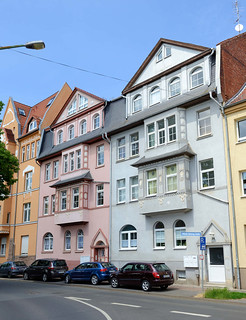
(73, 221)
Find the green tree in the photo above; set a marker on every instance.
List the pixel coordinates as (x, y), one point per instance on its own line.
(9, 165)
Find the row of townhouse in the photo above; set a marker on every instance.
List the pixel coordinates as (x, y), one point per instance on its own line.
(142, 176)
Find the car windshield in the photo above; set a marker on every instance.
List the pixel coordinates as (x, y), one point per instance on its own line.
(59, 263)
(20, 264)
(160, 267)
(107, 265)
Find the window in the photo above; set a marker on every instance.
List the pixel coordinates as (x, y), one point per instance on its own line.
(134, 188)
(23, 154)
(24, 245)
(75, 198)
(83, 127)
(151, 182)
(33, 150)
(241, 126)
(22, 112)
(47, 172)
(151, 135)
(71, 156)
(171, 127)
(121, 187)
(71, 132)
(161, 132)
(72, 108)
(28, 181)
(55, 169)
(159, 55)
(33, 125)
(37, 146)
(134, 138)
(179, 227)
(83, 102)
(63, 200)
(128, 236)
(100, 195)
(68, 240)
(159, 235)
(204, 122)
(80, 240)
(244, 183)
(8, 218)
(196, 77)
(65, 163)
(96, 121)
(50, 101)
(27, 212)
(53, 203)
(59, 137)
(100, 155)
(121, 148)
(207, 174)
(167, 52)
(28, 152)
(46, 205)
(171, 178)
(155, 96)
(48, 242)
(174, 87)
(137, 103)
(78, 159)
(3, 246)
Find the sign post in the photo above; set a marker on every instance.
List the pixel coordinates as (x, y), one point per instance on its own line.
(202, 248)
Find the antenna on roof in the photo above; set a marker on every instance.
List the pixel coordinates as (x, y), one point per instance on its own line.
(238, 27)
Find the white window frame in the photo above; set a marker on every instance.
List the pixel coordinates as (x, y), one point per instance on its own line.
(53, 203)
(207, 172)
(71, 161)
(168, 51)
(134, 188)
(59, 136)
(3, 246)
(48, 242)
(37, 146)
(76, 198)
(243, 137)
(204, 122)
(28, 181)
(121, 191)
(63, 200)
(137, 103)
(24, 245)
(65, 163)
(100, 194)
(96, 121)
(23, 154)
(33, 150)
(78, 159)
(121, 143)
(195, 77)
(83, 102)
(33, 125)
(157, 238)
(55, 169)
(80, 240)
(151, 135)
(174, 87)
(134, 144)
(28, 152)
(67, 240)
(171, 179)
(71, 132)
(27, 212)
(154, 96)
(83, 127)
(100, 155)
(131, 238)
(47, 171)
(150, 181)
(243, 182)
(178, 236)
(72, 108)
(161, 132)
(171, 129)
(46, 205)
(159, 55)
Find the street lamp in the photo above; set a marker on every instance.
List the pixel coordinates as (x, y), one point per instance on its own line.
(37, 45)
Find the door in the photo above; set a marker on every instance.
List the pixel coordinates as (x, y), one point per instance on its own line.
(216, 267)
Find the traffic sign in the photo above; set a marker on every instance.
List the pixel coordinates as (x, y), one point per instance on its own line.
(194, 234)
(202, 243)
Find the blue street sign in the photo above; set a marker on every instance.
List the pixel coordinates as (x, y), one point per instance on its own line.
(187, 234)
(202, 243)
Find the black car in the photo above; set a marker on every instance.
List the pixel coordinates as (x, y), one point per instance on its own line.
(12, 268)
(46, 269)
(143, 274)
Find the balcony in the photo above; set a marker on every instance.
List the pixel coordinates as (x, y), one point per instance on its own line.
(4, 229)
(71, 217)
(167, 203)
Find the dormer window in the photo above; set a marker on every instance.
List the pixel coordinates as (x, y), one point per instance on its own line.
(174, 87)
(196, 77)
(50, 102)
(155, 95)
(83, 102)
(96, 121)
(159, 55)
(60, 136)
(137, 103)
(72, 108)
(33, 125)
(71, 132)
(22, 112)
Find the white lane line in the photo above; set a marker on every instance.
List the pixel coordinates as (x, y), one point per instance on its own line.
(192, 314)
(126, 305)
(90, 305)
(73, 298)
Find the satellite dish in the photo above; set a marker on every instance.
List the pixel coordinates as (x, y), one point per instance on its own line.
(239, 27)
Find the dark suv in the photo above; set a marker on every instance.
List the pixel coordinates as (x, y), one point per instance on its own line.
(145, 275)
(46, 269)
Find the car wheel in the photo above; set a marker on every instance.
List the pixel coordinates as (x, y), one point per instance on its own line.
(94, 280)
(114, 283)
(26, 276)
(45, 277)
(67, 279)
(9, 274)
(146, 285)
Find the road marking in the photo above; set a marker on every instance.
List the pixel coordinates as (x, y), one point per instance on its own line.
(126, 305)
(192, 314)
(90, 305)
(74, 298)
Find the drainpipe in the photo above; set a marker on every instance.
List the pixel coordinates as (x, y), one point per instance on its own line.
(231, 188)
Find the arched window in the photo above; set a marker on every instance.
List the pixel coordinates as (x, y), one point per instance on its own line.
(60, 136)
(128, 237)
(83, 102)
(72, 107)
(155, 95)
(80, 240)
(83, 127)
(48, 242)
(137, 103)
(159, 235)
(33, 125)
(71, 132)
(179, 239)
(174, 87)
(96, 121)
(196, 77)
(68, 240)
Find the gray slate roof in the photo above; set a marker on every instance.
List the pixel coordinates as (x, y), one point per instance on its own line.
(84, 176)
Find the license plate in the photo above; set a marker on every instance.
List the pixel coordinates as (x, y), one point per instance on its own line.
(61, 271)
(166, 276)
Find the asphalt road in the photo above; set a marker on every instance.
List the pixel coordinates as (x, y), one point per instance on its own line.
(26, 300)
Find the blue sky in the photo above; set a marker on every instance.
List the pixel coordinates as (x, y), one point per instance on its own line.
(110, 37)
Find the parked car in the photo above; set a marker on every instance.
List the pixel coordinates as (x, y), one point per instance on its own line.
(141, 274)
(93, 272)
(12, 268)
(46, 269)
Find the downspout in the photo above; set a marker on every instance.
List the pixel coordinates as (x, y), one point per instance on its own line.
(231, 188)
(16, 195)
